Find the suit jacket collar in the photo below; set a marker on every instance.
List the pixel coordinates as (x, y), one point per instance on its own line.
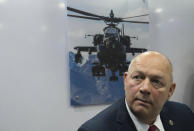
(125, 122)
(123, 119)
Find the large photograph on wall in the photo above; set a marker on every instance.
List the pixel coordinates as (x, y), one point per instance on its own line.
(103, 37)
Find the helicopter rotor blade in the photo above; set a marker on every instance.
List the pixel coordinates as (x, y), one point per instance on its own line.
(135, 16)
(105, 19)
(84, 13)
(137, 22)
(84, 17)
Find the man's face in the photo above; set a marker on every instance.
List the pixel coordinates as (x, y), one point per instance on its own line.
(148, 86)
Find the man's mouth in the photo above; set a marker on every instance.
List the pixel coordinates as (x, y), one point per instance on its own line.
(144, 101)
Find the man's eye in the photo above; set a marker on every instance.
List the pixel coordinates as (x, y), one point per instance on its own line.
(154, 80)
(137, 77)
(157, 83)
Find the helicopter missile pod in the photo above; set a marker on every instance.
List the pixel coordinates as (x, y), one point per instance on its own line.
(111, 46)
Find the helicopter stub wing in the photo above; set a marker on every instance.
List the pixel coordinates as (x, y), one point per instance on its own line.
(86, 48)
(135, 50)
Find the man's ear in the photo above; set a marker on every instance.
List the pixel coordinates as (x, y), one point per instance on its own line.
(125, 76)
(125, 79)
(171, 91)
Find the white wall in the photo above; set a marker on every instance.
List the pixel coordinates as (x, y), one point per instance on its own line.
(34, 86)
(172, 33)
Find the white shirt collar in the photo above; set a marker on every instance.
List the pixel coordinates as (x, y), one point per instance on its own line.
(140, 126)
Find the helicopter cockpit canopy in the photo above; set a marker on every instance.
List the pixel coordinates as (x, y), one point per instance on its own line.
(111, 32)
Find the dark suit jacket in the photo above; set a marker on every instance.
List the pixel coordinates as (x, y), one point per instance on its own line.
(174, 116)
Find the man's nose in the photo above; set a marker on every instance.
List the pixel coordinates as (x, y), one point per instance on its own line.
(146, 87)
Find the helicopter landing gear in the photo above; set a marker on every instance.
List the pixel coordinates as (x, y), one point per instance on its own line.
(98, 70)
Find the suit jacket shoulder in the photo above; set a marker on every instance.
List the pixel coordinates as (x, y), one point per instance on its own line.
(177, 117)
(113, 118)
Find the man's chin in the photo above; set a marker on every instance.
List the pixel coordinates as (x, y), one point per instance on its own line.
(140, 110)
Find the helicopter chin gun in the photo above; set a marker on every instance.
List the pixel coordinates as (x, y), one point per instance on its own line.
(113, 77)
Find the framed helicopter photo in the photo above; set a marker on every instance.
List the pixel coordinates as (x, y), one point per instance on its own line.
(103, 37)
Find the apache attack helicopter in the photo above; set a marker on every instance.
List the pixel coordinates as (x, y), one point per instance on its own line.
(111, 47)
